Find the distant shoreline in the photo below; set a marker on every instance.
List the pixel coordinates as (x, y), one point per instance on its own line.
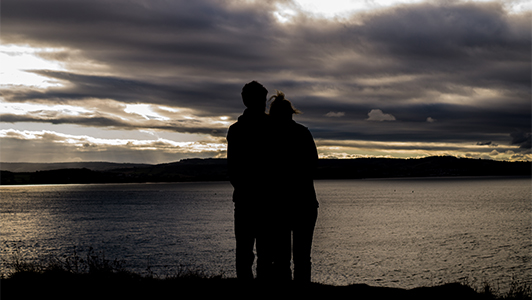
(337, 179)
(216, 170)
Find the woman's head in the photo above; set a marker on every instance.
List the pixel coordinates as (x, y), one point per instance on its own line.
(281, 108)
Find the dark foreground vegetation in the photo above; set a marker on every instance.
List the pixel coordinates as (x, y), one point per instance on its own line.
(216, 170)
(95, 277)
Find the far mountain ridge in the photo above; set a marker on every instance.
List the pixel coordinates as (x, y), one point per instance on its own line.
(93, 165)
(107, 166)
(213, 169)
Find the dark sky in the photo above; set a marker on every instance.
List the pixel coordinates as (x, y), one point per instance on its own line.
(157, 81)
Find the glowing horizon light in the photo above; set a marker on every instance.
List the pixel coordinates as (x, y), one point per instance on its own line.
(100, 144)
(18, 61)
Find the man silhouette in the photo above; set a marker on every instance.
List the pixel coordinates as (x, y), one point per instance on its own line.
(247, 157)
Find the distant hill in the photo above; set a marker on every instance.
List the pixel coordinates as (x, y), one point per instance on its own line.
(435, 166)
(95, 166)
(216, 170)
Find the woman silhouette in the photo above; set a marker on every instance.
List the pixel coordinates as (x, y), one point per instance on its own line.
(294, 162)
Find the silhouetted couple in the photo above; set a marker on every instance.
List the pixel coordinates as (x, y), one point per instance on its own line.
(271, 162)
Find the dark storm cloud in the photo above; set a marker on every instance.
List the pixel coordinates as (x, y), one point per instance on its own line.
(523, 139)
(191, 35)
(464, 64)
(212, 98)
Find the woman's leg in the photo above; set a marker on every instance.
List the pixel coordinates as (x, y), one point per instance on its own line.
(303, 231)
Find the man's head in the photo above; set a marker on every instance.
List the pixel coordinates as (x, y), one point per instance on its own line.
(254, 96)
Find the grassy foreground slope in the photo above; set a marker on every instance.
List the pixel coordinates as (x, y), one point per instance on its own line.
(95, 277)
(63, 285)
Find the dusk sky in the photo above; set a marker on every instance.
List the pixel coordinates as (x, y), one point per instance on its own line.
(156, 81)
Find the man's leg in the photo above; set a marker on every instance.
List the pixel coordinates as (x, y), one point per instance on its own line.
(245, 241)
(265, 240)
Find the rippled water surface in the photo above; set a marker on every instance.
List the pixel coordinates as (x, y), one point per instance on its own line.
(390, 232)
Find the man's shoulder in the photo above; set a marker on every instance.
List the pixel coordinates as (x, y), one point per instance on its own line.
(245, 122)
(248, 127)
(238, 122)
(234, 129)
(234, 125)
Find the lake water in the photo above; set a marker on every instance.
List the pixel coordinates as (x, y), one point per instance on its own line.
(387, 232)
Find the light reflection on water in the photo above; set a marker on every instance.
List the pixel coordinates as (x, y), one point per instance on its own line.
(408, 233)
(395, 232)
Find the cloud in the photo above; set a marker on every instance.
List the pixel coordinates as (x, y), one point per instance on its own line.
(523, 139)
(463, 63)
(487, 143)
(114, 115)
(332, 114)
(83, 141)
(378, 115)
(353, 149)
(55, 146)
